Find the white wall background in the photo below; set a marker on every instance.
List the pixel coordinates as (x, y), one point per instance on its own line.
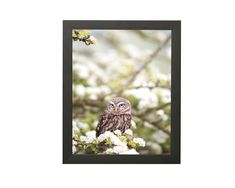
(31, 95)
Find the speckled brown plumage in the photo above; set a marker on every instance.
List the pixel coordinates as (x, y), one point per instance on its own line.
(117, 116)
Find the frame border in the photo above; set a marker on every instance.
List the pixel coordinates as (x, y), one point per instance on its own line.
(175, 27)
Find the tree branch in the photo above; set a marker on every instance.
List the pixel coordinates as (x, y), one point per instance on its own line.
(146, 63)
(150, 37)
(86, 102)
(100, 104)
(153, 123)
(154, 108)
(159, 126)
(149, 87)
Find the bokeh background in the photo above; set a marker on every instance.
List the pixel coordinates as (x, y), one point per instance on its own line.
(134, 64)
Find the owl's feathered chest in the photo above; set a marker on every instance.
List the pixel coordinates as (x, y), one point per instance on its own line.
(112, 122)
(119, 116)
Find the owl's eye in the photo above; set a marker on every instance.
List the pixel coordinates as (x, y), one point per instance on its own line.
(122, 105)
(111, 105)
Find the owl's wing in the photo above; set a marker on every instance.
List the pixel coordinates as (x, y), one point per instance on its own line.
(102, 122)
(127, 123)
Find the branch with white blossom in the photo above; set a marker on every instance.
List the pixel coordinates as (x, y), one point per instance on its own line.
(147, 61)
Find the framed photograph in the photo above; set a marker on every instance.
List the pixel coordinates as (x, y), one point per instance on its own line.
(121, 92)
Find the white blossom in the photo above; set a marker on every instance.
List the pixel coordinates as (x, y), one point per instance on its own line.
(104, 136)
(143, 104)
(114, 139)
(130, 152)
(91, 136)
(75, 127)
(92, 81)
(80, 90)
(165, 95)
(161, 76)
(137, 83)
(92, 39)
(148, 125)
(160, 136)
(151, 84)
(83, 138)
(105, 90)
(118, 132)
(144, 84)
(82, 125)
(74, 142)
(129, 132)
(120, 149)
(166, 99)
(74, 123)
(74, 149)
(162, 114)
(94, 92)
(82, 70)
(139, 141)
(109, 151)
(150, 101)
(93, 97)
(146, 97)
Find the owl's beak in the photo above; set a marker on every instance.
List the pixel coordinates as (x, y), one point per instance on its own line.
(116, 109)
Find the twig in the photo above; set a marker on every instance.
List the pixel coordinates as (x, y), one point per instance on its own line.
(148, 110)
(159, 126)
(83, 102)
(157, 108)
(149, 87)
(153, 123)
(150, 37)
(146, 63)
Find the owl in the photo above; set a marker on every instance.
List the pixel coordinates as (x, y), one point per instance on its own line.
(117, 115)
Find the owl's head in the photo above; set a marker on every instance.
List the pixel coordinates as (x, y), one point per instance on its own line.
(119, 106)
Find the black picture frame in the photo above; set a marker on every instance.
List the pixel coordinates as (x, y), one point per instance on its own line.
(174, 157)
